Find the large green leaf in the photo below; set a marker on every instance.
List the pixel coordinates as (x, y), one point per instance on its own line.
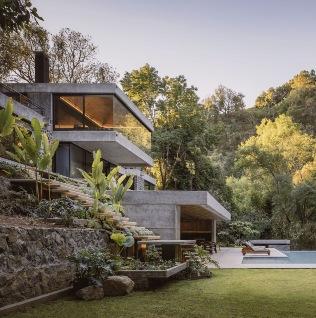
(7, 119)
(37, 132)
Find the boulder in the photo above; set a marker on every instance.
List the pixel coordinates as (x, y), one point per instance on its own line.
(90, 293)
(117, 286)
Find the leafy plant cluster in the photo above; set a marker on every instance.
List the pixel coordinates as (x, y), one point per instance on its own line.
(107, 190)
(235, 232)
(93, 266)
(198, 260)
(153, 261)
(64, 208)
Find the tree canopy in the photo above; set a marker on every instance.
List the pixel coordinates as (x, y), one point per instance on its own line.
(72, 55)
(17, 14)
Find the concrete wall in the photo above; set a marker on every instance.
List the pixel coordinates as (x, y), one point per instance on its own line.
(21, 110)
(33, 261)
(162, 219)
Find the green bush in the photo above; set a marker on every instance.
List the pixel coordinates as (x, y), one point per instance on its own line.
(64, 208)
(235, 232)
(198, 260)
(92, 267)
(15, 202)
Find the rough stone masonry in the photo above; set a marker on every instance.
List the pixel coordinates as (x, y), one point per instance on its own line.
(33, 261)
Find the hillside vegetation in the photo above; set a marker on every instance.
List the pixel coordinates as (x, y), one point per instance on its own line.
(259, 162)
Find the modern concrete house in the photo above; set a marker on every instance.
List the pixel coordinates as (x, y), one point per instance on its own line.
(85, 117)
(176, 215)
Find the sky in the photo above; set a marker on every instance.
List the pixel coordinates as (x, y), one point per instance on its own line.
(246, 45)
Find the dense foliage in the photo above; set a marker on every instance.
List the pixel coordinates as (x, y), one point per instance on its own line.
(72, 56)
(259, 162)
(198, 261)
(64, 208)
(93, 266)
(16, 14)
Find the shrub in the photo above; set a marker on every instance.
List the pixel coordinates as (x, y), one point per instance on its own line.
(198, 260)
(15, 202)
(153, 261)
(93, 266)
(64, 208)
(236, 232)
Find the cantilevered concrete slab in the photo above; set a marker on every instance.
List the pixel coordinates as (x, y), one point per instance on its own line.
(161, 211)
(114, 146)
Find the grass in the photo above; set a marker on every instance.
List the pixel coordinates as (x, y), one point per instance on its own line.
(230, 293)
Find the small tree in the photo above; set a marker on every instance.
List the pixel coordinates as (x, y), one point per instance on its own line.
(96, 180)
(35, 149)
(101, 183)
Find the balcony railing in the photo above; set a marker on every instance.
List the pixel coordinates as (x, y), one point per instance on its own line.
(19, 97)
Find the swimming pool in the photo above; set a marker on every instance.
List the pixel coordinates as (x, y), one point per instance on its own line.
(293, 257)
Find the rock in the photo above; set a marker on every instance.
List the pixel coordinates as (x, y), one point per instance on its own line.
(3, 244)
(90, 293)
(117, 286)
(79, 222)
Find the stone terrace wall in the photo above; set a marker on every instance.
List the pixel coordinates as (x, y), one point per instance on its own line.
(33, 260)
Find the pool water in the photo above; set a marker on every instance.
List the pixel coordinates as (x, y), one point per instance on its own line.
(293, 257)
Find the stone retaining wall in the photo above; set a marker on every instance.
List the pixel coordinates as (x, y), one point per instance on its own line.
(33, 261)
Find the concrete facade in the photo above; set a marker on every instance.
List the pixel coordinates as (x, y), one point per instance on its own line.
(41, 93)
(116, 148)
(160, 211)
(21, 110)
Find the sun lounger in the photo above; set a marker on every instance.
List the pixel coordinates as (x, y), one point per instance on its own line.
(249, 248)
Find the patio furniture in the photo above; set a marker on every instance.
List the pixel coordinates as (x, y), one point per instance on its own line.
(249, 248)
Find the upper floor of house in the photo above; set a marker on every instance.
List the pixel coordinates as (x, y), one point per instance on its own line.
(89, 115)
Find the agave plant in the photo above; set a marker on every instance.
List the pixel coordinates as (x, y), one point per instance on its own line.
(34, 149)
(7, 119)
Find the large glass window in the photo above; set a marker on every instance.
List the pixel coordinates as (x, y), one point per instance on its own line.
(68, 112)
(99, 112)
(126, 123)
(70, 157)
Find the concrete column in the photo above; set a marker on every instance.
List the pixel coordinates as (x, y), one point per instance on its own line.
(177, 222)
(214, 231)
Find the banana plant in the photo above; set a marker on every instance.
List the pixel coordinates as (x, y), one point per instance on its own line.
(7, 119)
(109, 188)
(118, 189)
(35, 149)
(96, 180)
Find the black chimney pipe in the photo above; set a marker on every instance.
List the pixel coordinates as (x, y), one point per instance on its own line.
(41, 67)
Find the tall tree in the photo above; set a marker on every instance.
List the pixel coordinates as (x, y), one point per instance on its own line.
(225, 101)
(181, 137)
(17, 14)
(72, 57)
(17, 61)
(143, 87)
(73, 60)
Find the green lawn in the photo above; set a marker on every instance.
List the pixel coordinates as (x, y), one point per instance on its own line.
(230, 293)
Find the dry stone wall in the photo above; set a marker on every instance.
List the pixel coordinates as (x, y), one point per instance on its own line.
(33, 261)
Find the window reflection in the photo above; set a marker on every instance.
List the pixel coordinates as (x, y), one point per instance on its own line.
(68, 112)
(99, 112)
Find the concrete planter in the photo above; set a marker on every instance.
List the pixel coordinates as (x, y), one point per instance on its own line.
(148, 279)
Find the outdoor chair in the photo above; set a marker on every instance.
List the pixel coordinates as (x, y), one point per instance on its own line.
(249, 248)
